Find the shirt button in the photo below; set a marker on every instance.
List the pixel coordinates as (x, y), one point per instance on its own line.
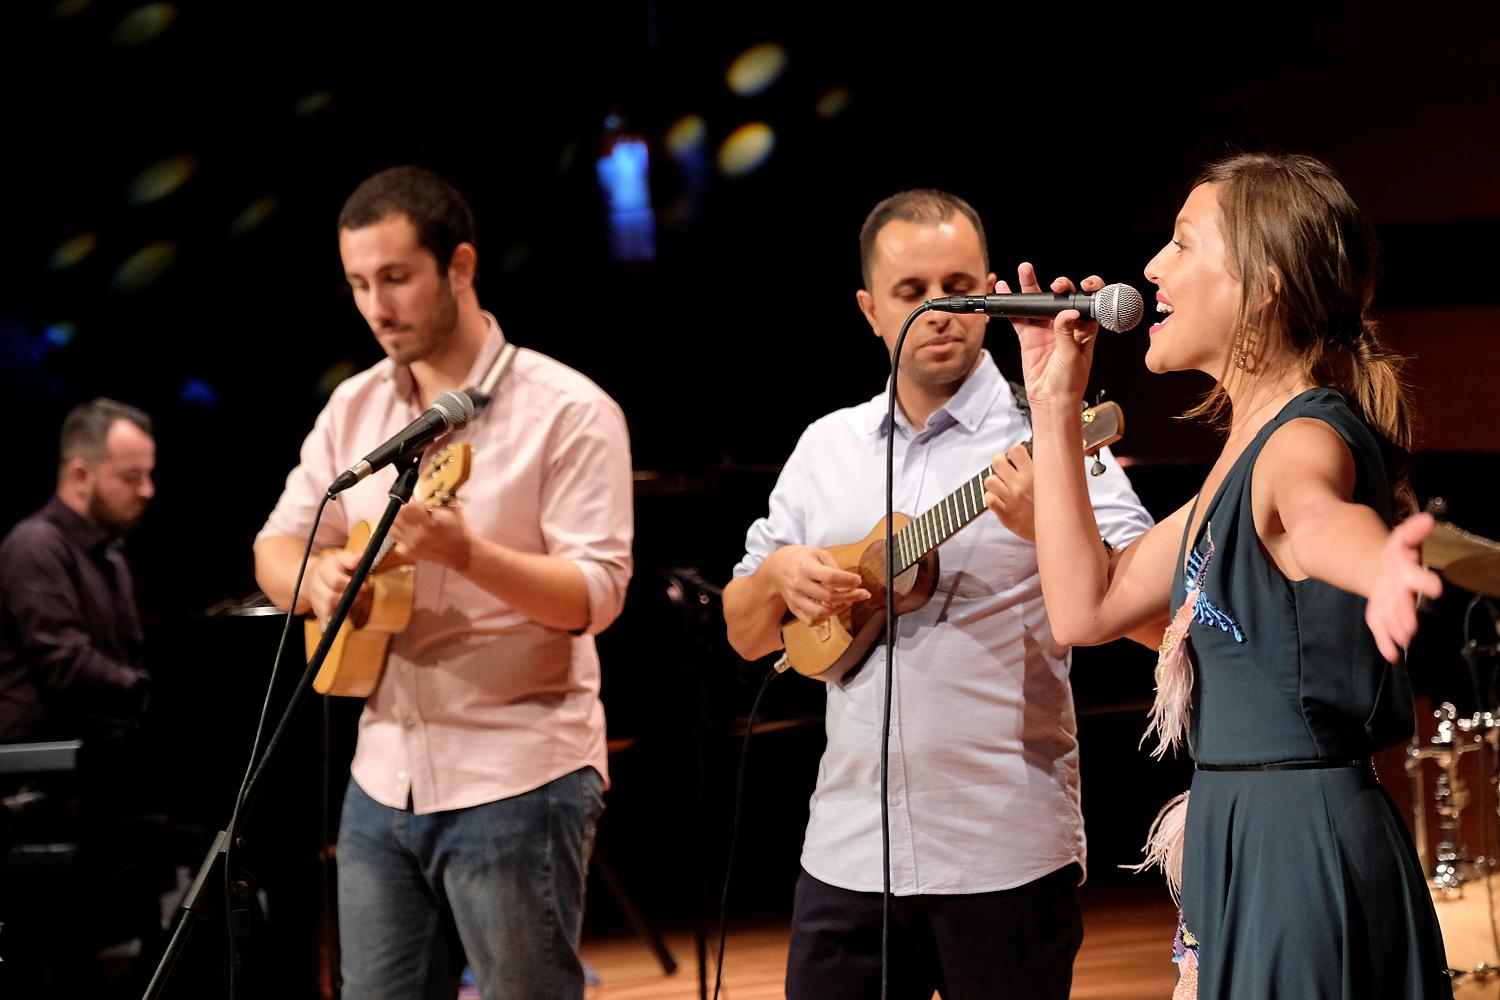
(411, 723)
(400, 775)
(895, 800)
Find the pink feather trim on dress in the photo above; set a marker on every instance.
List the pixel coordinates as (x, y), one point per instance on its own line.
(1172, 708)
(1174, 683)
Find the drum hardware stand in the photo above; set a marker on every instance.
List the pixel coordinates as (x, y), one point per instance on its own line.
(1414, 773)
(1471, 562)
(1454, 866)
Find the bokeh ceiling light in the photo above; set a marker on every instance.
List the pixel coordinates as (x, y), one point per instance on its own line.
(197, 391)
(755, 69)
(515, 258)
(311, 104)
(161, 179)
(686, 136)
(252, 216)
(145, 23)
(746, 148)
(336, 373)
(73, 251)
(677, 213)
(145, 266)
(832, 102)
(60, 334)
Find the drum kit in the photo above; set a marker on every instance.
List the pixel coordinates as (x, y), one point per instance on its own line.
(1465, 752)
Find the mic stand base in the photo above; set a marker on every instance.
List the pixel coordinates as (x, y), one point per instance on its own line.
(200, 903)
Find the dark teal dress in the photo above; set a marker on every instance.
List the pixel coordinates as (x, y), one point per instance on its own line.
(1298, 882)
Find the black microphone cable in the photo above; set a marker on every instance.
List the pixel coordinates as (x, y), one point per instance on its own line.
(885, 726)
(734, 825)
(890, 653)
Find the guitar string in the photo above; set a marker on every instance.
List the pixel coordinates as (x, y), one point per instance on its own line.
(944, 519)
(955, 511)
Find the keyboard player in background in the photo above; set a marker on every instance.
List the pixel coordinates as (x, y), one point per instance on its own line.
(76, 869)
(71, 651)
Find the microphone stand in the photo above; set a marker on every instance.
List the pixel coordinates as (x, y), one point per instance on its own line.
(196, 905)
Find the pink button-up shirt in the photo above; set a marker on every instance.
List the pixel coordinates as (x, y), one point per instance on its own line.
(477, 702)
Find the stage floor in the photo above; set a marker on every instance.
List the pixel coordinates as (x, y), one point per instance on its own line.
(1126, 954)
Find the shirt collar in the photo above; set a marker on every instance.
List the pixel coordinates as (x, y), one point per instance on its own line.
(966, 407)
(494, 340)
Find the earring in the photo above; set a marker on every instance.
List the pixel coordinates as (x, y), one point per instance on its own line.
(1241, 356)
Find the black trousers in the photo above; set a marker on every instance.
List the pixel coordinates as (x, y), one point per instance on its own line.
(1013, 944)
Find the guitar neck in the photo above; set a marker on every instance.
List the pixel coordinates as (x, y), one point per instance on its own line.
(940, 522)
(1102, 425)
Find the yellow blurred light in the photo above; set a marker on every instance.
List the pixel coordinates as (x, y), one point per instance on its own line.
(832, 102)
(73, 250)
(755, 69)
(330, 379)
(252, 215)
(144, 24)
(69, 8)
(161, 179)
(311, 104)
(746, 148)
(145, 266)
(686, 135)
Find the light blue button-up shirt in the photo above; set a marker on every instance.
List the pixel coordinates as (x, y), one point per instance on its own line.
(984, 751)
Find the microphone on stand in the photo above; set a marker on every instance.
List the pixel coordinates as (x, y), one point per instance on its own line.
(449, 411)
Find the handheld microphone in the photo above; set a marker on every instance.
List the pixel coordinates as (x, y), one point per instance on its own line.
(1116, 307)
(449, 411)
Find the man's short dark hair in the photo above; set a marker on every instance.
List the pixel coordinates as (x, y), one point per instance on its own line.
(86, 428)
(439, 213)
(925, 205)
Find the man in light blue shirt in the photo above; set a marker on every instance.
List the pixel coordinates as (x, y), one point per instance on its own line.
(986, 832)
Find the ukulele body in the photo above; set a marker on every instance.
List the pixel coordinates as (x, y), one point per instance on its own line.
(357, 656)
(835, 647)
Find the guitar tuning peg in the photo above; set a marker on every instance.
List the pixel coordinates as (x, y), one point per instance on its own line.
(1097, 469)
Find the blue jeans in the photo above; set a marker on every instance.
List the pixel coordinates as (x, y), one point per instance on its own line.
(500, 884)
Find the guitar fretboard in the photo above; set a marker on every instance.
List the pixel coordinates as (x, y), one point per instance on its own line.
(940, 522)
(1101, 425)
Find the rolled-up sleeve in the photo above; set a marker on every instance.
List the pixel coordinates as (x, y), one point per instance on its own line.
(586, 510)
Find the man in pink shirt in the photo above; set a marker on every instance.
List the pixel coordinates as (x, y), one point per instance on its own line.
(480, 766)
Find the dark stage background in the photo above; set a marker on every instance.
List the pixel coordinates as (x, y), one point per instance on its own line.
(175, 171)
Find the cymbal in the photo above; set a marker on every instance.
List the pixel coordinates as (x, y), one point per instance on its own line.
(1465, 559)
